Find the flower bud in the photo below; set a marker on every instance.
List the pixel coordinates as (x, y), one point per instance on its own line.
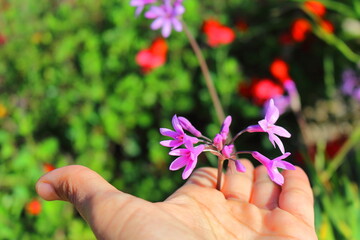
(186, 124)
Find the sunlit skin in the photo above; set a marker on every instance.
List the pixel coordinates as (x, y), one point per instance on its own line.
(249, 206)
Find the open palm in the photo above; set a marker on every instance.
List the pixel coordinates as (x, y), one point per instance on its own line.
(249, 206)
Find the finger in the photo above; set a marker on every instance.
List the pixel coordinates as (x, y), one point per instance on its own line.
(296, 196)
(238, 185)
(265, 193)
(203, 177)
(76, 184)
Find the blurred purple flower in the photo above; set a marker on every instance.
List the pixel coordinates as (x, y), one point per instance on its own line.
(284, 102)
(268, 125)
(140, 4)
(178, 135)
(166, 17)
(281, 102)
(273, 165)
(351, 84)
(349, 81)
(187, 157)
(186, 124)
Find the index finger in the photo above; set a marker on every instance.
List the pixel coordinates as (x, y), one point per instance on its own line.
(296, 196)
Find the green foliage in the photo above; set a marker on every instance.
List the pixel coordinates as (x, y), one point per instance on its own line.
(74, 94)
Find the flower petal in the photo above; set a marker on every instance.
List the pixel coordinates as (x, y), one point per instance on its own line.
(179, 9)
(197, 150)
(166, 28)
(179, 152)
(176, 125)
(178, 163)
(169, 133)
(285, 165)
(264, 125)
(157, 23)
(167, 143)
(261, 158)
(275, 139)
(272, 113)
(177, 24)
(276, 176)
(188, 169)
(282, 132)
(154, 12)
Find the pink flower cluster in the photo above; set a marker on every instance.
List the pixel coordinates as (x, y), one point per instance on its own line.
(166, 15)
(185, 134)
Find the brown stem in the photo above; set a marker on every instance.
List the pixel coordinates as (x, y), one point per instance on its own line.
(205, 70)
(219, 174)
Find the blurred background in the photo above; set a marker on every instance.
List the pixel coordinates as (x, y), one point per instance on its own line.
(87, 82)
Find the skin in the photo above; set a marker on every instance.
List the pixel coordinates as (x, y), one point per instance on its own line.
(249, 206)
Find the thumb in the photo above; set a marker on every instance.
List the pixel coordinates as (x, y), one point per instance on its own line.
(76, 184)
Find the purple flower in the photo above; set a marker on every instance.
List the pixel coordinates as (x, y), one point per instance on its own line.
(140, 4)
(186, 124)
(273, 165)
(179, 136)
(166, 17)
(268, 125)
(349, 81)
(187, 158)
(351, 84)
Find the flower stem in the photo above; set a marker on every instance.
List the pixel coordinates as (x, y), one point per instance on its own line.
(205, 70)
(236, 136)
(219, 174)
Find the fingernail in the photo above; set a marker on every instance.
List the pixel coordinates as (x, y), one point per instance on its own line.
(46, 191)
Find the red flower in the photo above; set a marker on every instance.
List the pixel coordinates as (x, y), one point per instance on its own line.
(153, 57)
(3, 39)
(48, 167)
(33, 207)
(299, 29)
(280, 70)
(261, 90)
(315, 7)
(217, 33)
(327, 26)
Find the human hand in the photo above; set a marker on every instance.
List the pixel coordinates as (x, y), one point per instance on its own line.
(249, 206)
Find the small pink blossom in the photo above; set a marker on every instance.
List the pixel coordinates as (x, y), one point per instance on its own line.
(187, 158)
(273, 165)
(268, 125)
(166, 17)
(179, 136)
